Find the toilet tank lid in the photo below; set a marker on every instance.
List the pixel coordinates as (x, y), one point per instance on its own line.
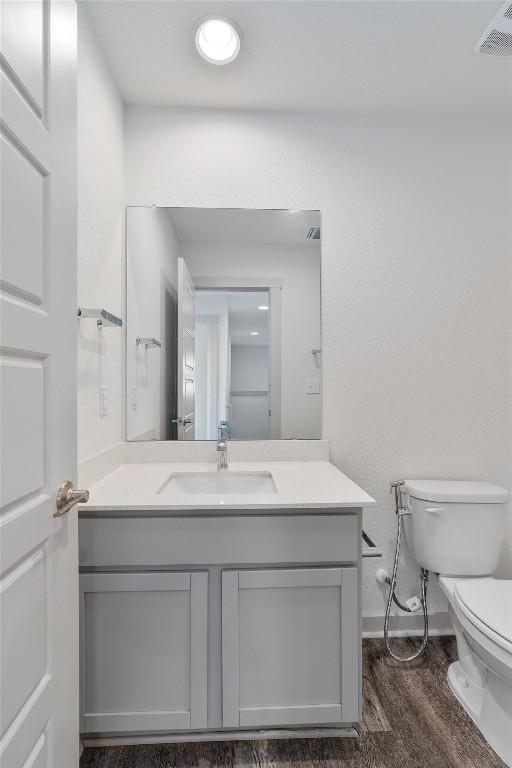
(464, 491)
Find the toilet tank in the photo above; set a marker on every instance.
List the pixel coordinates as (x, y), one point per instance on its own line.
(456, 527)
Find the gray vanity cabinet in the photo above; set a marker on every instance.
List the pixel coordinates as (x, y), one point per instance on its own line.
(272, 600)
(290, 644)
(144, 651)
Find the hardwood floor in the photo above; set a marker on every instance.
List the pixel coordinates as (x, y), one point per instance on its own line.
(411, 720)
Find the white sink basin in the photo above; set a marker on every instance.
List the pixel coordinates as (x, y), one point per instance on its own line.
(220, 482)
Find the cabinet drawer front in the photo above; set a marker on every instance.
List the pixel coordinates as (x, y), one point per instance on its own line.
(177, 541)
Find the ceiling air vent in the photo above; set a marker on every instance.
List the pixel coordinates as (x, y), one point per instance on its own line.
(497, 38)
(313, 233)
(497, 44)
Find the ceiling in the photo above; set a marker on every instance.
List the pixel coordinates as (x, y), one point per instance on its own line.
(354, 56)
(244, 315)
(243, 225)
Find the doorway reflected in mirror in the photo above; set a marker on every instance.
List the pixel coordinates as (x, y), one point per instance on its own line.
(233, 359)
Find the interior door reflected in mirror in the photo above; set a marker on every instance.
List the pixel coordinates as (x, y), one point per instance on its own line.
(223, 324)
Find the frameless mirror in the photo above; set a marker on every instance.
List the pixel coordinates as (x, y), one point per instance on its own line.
(222, 324)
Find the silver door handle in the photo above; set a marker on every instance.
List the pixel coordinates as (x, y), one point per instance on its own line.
(68, 496)
(181, 421)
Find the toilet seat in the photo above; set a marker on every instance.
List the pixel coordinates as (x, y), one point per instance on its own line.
(487, 604)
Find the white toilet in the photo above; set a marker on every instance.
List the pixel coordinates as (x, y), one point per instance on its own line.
(456, 530)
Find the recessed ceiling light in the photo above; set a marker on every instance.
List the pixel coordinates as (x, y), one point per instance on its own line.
(263, 307)
(255, 333)
(217, 40)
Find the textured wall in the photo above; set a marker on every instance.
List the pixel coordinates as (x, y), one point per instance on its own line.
(506, 561)
(100, 243)
(416, 264)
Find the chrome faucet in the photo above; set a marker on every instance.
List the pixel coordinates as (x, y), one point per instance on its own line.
(222, 452)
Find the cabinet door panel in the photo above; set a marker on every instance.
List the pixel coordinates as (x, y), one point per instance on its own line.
(290, 647)
(144, 651)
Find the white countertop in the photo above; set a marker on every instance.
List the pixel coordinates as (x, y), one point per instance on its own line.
(299, 485)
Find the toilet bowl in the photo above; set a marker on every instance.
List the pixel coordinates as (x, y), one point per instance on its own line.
(456, 529)
(481, 678)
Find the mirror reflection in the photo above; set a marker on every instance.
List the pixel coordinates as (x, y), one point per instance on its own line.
(223, 324)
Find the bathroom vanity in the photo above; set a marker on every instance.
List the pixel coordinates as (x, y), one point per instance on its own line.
(215, 603)
(219, 602)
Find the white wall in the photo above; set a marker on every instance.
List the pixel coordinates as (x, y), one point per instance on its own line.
(100, 243)
(416, 266)
(506, 561)
(298, 267)
(249, 373)
(249, 367)
(205, 379)
(211, 304)
(152, 255)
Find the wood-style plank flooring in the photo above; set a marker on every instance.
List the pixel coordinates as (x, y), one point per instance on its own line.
(411, 720)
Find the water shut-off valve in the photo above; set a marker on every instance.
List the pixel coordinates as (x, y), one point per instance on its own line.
(413, 604)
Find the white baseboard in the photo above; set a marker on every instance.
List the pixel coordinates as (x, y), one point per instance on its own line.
(408, 633)
(408, 626)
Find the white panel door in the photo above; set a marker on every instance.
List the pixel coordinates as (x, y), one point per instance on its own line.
(38, 553)
(290, 647)
(186, 352)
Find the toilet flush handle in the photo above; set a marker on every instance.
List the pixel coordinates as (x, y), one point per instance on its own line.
(435, 510)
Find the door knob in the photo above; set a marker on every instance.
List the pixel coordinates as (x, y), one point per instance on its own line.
(68, 496)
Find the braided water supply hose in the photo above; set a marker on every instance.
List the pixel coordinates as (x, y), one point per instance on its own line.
(400, 513)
